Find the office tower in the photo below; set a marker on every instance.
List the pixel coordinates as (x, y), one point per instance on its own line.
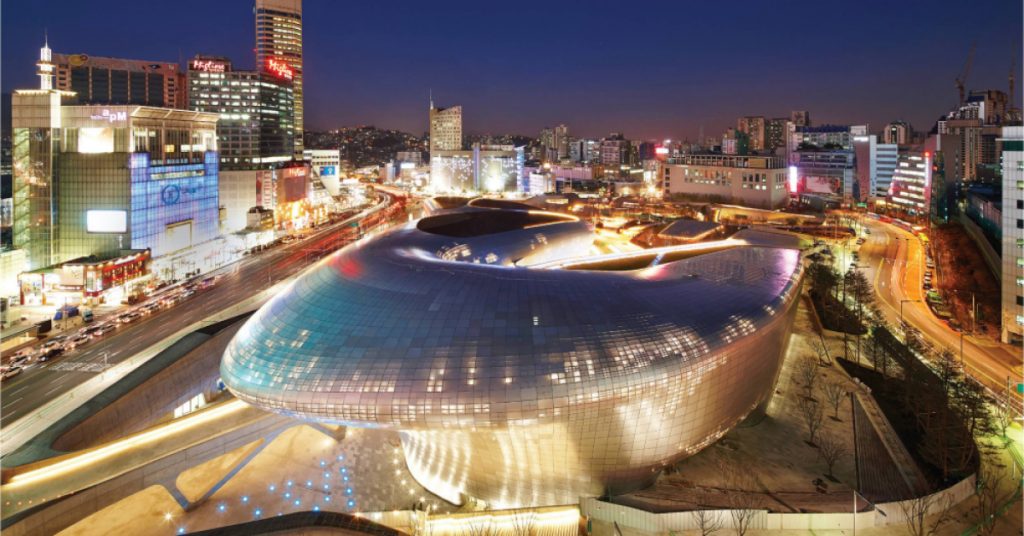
(614, 150)
(1013, 233)
(278, 45)
(775, 134)
(898, 132)
(98, 80)
(445, 128)
(875, 164)
(256, 109)
(560, 142)
(911, 184)
(484, 168)
(754, 128)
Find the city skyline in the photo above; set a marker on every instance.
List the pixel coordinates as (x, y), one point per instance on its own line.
(649, 74)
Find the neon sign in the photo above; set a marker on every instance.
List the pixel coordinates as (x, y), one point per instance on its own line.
(279, 69)
(209, 66)
(110, 117)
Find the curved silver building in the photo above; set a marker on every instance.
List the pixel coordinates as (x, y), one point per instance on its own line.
(515, 376)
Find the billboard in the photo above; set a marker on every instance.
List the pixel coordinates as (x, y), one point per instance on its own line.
(291, 184)
(106, 221)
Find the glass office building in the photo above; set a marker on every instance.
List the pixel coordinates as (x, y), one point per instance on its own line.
(256, 110)
(515, 377)
(97, 180)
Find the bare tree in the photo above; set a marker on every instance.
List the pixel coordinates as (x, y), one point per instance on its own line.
(991, 495)
(917, 511)
(708, 521)
(481, 527)
(523, 522)
(811, 412)
(835, 392)
(743, 498)
(807, 372)
(1003, 411)
(831, 449)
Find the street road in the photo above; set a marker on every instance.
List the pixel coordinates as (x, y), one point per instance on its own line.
(42, 381)
(893, 260)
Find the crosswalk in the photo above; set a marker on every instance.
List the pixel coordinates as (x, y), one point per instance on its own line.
(78, 366)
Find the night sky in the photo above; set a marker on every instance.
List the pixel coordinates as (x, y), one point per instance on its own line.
(647, 69)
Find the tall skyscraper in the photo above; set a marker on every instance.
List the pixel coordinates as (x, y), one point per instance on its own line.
(279, 40)
(561, 141)
(1013, 233)
(445, 128)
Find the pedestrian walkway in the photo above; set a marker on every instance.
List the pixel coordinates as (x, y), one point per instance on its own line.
(904, 463)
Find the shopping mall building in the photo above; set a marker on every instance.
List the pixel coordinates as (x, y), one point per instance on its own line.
(102, 182)
(515, 376)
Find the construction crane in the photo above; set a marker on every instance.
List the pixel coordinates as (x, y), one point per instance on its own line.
(962, 79)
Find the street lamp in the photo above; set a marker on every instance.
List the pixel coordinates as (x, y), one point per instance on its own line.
(873, 505)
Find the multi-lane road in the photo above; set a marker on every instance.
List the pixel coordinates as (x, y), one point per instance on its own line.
(43, 381)
(893, 261)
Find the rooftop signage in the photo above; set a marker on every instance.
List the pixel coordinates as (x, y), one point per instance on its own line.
(109, 116)
(279, 68)
(209, 66)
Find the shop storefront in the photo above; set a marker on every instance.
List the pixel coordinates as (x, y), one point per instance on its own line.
(88, 280)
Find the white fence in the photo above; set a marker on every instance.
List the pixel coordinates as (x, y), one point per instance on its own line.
(883, 514)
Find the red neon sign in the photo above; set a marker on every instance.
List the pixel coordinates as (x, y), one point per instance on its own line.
(279, 69)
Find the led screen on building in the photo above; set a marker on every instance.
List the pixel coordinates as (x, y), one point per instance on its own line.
(106, 221)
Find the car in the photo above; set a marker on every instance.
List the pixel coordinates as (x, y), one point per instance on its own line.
(51, 353)
(20, 359)
(105, 329)
(11, 372)
(54, 342)
(187, 294)
(79, 340)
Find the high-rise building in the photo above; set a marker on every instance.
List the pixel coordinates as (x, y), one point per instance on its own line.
(775, 134)
(614, 150)
(279, 51)
(445, 128)
(875, 164)
(326, 164)
(560, 142)
(484, 168)
(98, 80)
(898, 132)
(256, 110)
(911, 184)
(1013, 233)
(754, 128)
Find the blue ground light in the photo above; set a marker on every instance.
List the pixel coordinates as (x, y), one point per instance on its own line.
(292, 498)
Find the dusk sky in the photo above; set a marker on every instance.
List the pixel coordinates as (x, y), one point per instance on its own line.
(649, 70)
